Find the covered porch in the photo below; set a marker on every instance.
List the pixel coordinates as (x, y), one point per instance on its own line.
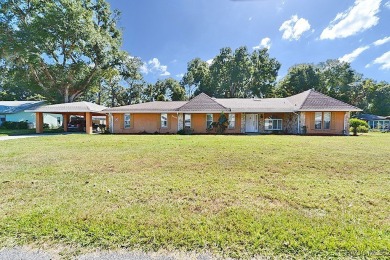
(85, 110)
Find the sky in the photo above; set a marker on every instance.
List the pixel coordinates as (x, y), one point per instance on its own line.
(167, 34)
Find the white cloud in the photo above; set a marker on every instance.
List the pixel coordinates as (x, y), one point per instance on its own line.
(384, 60)
(387, 4)
(154, 66)
(181, 75)
(210, 61)
(264, 43)
(165, 73)
(294, 28)
(350, 57)
(359, 17)
(382, 41)
(144, 68)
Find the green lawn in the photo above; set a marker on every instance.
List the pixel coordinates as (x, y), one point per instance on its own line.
(8, 132)
(237, 196)
(5, 132)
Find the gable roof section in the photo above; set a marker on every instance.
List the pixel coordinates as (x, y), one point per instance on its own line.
(11, 107)
(80, 107)
(312, 100)
(203, 103)
(148, 107)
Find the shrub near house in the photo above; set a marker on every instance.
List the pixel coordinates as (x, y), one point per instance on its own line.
(358, 126)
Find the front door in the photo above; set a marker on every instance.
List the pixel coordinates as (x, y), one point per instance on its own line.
(251, 123)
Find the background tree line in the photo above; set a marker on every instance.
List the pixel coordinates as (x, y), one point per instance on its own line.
(68, 50)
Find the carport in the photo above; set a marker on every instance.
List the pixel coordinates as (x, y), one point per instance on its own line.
(85, 109)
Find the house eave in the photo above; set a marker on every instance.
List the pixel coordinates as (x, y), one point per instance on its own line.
(331, 110)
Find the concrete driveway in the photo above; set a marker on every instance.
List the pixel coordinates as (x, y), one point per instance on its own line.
(12, 137)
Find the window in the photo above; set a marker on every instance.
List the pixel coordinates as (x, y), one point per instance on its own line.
(326, 120)
(209, 120)
(2, 119)
(273, 124)
(126, 121)
(232, 121)
(187, 120)
(164, 120)
(318, 120)
(322, 120)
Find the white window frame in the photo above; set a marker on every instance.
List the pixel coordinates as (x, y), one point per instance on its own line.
(164, 123)
(270, 122)
(209, 122)
(185, 119)
(232, 121)
(126, 121)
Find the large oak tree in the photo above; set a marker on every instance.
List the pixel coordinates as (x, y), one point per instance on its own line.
(60, 47)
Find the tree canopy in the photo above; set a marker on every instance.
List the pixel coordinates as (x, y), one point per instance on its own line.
(233, 74)
(338, 80)
(60, 48)
(68, 50)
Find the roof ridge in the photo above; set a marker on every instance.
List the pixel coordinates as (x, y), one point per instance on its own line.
(204, 95)
(307, 95)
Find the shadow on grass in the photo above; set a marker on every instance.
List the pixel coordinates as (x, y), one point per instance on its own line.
(14, 132)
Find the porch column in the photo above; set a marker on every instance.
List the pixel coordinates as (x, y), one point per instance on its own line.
(180, 122)
(39, 122)
(65, 121)
(242, 122)
(88, 123)
(107, 121)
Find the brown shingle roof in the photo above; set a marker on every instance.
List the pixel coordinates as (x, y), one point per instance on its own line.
(256, 104)
(312, 100)
(155, 106)
(202, 103)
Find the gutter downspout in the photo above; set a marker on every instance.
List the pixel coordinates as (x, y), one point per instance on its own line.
(344, 128)
(177, 116)
(111, 123)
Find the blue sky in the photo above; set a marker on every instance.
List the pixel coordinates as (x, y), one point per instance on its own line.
(167, 34)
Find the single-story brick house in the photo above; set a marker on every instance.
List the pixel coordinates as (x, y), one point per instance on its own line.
(308, 112)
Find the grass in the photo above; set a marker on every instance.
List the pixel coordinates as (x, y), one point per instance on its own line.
(237, 196)
(13, 132)
(5, 132)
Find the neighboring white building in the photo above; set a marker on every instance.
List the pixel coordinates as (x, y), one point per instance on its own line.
(13, 111)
